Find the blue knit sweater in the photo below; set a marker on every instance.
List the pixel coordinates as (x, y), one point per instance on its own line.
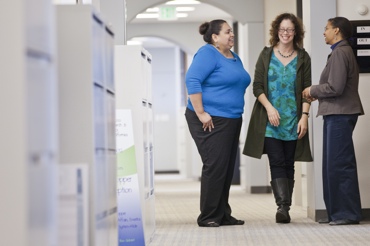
(222, 82)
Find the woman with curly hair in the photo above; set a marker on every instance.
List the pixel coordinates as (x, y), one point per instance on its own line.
(279, 122)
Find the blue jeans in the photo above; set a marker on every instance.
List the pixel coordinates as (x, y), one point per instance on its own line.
(340, 181)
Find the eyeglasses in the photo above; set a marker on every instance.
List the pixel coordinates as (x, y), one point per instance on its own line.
(289, 30)
(327, 28)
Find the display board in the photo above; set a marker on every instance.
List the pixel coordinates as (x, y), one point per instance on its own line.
(360, 43)
(29, 131)
(87, 111)
(130, 222)
(73, 205)
(133, 90)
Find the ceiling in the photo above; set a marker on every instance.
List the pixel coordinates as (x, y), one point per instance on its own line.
(202, 12)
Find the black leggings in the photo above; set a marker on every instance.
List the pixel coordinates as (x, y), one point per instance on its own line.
(281, 157)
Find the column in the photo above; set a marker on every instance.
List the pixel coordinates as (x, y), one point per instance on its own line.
(315, 16)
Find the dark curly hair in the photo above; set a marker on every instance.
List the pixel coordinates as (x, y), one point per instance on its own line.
(209, 28)
(298, 27)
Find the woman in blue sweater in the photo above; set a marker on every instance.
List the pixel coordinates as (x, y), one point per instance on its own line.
(216, 82)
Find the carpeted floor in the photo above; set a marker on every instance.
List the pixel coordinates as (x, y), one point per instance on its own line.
(177, 207)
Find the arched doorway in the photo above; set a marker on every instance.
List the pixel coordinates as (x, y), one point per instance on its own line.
(172, 52)
(169, 100)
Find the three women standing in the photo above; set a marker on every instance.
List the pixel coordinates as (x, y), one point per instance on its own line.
(278, 127)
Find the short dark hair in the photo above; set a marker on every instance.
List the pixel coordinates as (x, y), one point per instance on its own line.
(344, 26)
(298, 27)
(209, 28)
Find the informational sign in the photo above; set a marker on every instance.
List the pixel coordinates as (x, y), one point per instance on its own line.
(360, 43)
(130, 223)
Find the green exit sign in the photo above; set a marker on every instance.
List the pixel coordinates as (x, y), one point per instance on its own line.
(167, 13)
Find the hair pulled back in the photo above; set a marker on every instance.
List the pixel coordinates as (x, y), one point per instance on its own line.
(344, 25)
(208, 28)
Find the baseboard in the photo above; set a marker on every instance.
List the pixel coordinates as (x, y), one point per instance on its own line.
(167, 172)
(366, 214)
(260, 189)
(321, 213)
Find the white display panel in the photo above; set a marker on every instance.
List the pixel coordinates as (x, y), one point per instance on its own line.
(98, 49)
(109, 51)
(39, 25)
(29, 125)
(86, 110)
(99, 117)
(133, 78)
(111, 110)
(73, 209)
(151, 148)
(40, 105)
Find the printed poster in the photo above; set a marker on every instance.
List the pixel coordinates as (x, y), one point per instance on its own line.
(130, 224)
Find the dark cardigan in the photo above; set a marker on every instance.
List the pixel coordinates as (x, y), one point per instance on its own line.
(254, 144)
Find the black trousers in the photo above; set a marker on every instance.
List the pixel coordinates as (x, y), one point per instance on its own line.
(339, 168)
(218, 150)
(281, 157)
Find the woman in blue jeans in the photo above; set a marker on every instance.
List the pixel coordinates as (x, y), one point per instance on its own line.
(340, 106)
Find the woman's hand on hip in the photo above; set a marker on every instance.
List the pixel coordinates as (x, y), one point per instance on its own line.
(206, 119)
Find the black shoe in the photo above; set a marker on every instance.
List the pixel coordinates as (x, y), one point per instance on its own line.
(209, 224)
(344, 222)
(235, 222)
(323, 221)
(282, 216)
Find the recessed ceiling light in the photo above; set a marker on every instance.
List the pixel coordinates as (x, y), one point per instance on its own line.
(179, 9)
(146, 16)
(184, 9)
(134, 42)
(181, 2)
(181, 15)
(151, 10)
(156, 16)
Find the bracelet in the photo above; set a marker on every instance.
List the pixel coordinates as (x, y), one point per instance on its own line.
(306, 113)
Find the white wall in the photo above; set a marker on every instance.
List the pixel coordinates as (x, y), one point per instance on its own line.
(166, 101)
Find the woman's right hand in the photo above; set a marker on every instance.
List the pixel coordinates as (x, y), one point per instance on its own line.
(272, 113)
(206, 119)
(273, 116)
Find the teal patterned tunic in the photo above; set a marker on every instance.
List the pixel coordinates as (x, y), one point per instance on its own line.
(281, 94)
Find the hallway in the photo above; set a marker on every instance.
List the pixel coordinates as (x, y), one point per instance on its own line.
(177, 207)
